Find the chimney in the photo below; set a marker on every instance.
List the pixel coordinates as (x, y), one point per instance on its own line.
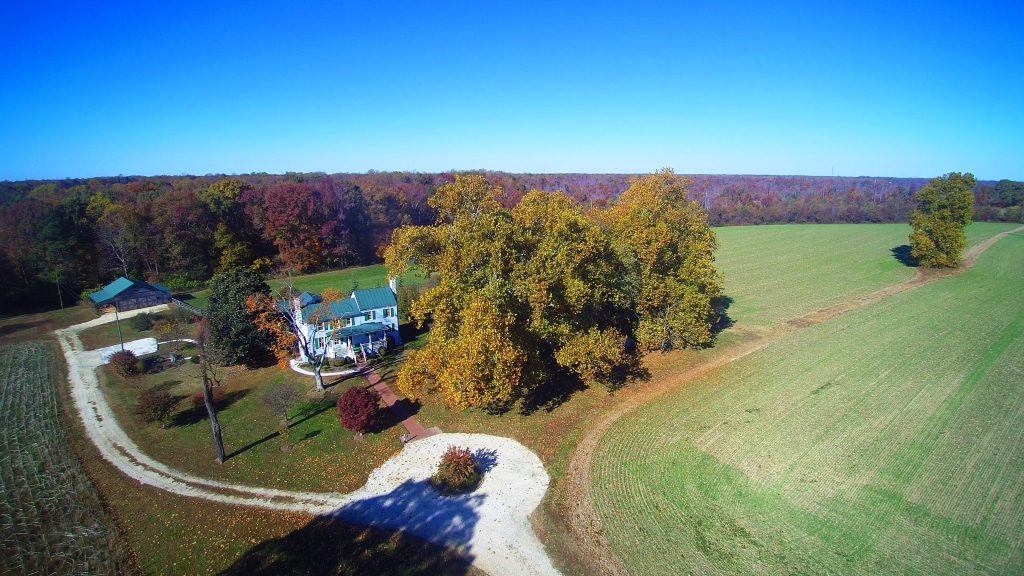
(393, 284)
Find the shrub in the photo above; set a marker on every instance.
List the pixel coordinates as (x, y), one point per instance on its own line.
(155, 406)
(125, 363)
(182, 316)
(165, 329)
(357, 409)
(144, 321)
(457, 473)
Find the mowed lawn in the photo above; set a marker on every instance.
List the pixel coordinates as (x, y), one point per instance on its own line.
(778, 272)
(885, 441)
(344, 280)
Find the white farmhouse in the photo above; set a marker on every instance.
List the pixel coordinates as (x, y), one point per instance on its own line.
(351, 328)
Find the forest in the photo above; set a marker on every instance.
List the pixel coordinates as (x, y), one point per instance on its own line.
(62, 238)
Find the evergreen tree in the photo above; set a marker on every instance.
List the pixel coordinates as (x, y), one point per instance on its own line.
(233, 328)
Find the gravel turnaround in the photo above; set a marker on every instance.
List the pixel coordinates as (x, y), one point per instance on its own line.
(490, 526)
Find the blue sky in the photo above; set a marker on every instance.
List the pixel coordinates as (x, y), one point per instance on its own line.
(95, 88)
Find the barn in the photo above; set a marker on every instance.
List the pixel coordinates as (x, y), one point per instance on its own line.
(125, 294)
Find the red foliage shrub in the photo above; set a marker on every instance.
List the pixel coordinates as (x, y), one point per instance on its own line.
(357, 409)
(457, 472)
(124, 363)
(156, 406)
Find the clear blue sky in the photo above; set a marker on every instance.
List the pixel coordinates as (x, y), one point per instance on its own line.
(93, 88)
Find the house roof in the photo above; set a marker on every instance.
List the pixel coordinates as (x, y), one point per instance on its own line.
(364, 328)
(307, 298)
(118, 286)
(338, 309)
(371, 298)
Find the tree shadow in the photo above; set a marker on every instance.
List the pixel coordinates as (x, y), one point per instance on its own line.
(197, 414)
(486, 459)
(721, 305)
(556, 390)
(409, 331)
(304, 413)
(19, 326)
(393, 415)
(903, 255)
(416, 507)
(328, 546)
(341, 379)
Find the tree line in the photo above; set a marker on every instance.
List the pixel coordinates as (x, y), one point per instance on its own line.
(60, 238)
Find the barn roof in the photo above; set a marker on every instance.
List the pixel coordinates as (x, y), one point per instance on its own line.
(118, 286)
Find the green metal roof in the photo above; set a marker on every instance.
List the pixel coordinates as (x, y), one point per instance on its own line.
(372, 298)
(364, 328)
(120, 285)
(339, 309)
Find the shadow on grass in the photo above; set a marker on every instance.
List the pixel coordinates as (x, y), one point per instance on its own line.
(304, 412)
(723, 321)
(903, 255)
(393, 415)
(19, 326)
(198, 413)
(330, 545)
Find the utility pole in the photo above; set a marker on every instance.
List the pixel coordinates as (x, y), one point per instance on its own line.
(118, 319)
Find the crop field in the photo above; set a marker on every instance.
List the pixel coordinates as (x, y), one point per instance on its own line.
(885, 441)
(51, 517)
(774, 273)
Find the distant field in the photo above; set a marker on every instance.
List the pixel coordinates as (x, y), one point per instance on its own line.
(885, 441)
(778, 272)
(52, 520)
(361, 276)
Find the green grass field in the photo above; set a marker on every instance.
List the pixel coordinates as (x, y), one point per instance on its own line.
(774, 273)
(325, 456)
(884, 441)
(345, 279)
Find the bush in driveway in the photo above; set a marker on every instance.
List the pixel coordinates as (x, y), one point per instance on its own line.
(155, 406)
(124, 363)
(357, 409)
(457, 473)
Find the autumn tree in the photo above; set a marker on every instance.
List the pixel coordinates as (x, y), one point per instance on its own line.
(223, 199)
(281, 316)
(279, 399)
(944, 208)
(519, 290)
(667, 252)
(233, 327)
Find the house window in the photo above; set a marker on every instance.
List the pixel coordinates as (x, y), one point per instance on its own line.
(348, 321)
(371, 315)
(320, 343)
(387, 312)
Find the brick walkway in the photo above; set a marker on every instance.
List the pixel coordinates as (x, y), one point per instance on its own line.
(412, 425)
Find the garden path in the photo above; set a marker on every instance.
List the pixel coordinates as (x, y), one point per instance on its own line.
(416, 430)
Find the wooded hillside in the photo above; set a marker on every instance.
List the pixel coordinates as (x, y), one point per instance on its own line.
(81, 233)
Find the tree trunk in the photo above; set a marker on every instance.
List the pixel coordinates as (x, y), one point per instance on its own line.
(218, 440)
(317, 376)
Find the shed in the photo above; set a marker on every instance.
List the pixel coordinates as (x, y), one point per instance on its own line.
(125, 294)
